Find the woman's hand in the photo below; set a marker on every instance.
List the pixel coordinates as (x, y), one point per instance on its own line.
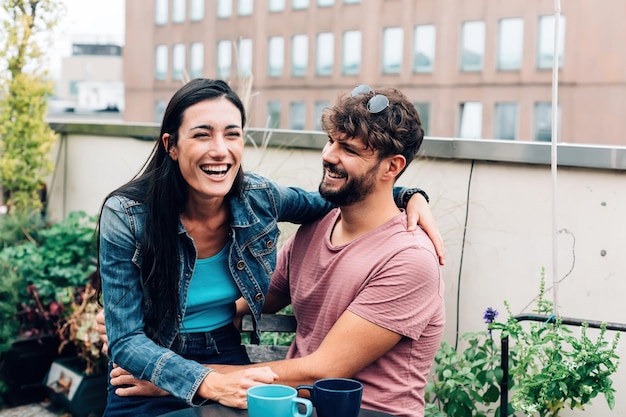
(130, 386)
(230, 389)
(102, 331)
(418, 212)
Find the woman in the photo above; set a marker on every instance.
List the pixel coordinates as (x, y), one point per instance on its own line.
(180, 243)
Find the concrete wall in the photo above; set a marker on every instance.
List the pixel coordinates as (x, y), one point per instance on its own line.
(495, 217)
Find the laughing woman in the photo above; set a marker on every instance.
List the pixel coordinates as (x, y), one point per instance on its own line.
(181, 242)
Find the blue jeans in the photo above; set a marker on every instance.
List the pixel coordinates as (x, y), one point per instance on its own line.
(221, 346)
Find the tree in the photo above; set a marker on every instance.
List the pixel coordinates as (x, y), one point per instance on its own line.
(25, 138)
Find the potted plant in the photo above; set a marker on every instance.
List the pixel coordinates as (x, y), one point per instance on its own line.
(46, 266)
(28, 343)
(550, 368)
(78, 383)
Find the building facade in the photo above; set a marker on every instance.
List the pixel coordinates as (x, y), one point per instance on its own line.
(473, 68)
(91, 79)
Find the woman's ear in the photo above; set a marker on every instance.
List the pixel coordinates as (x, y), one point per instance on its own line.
(171, 150)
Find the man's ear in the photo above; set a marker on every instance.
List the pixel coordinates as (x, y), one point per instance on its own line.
(172, 151)
(394, 166)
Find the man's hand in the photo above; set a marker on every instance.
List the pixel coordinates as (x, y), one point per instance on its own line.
(418, 211)
(102, 331)
(230, 389)
(130, 386)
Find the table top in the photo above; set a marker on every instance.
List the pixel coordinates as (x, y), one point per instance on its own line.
(216, 410)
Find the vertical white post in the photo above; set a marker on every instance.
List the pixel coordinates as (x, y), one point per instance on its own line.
(553, 163)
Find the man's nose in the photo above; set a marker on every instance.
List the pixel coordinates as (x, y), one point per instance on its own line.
(329, 153)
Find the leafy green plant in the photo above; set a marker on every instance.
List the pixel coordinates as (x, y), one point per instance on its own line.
(554, 368)
(550, 368)
(467, 383)
(25, 137)
(61, 258)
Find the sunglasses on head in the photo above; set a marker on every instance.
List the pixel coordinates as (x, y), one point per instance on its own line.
(376, 104)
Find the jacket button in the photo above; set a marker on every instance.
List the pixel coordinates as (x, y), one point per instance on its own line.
(241, 265)
(270, 244)
(258, 297)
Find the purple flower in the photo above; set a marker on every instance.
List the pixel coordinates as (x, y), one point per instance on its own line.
(490, 315)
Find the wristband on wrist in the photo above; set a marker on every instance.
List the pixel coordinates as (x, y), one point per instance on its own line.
(410, 192)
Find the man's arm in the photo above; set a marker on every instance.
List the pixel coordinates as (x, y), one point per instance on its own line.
(351, 345)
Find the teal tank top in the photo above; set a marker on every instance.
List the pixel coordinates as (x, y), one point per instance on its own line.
(211, 295)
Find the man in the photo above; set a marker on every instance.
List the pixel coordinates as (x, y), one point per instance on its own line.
(367, 294)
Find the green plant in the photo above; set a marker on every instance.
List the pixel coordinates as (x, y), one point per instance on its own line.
(78, 329)
(554, 368)
(467, 383)
(550, 368)
(46, 269)
(61, 258)
(25, 137)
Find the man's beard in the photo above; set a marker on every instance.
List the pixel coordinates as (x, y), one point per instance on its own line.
(353, 191)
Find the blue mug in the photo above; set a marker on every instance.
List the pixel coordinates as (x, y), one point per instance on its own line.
(333, 397)
(276, 401)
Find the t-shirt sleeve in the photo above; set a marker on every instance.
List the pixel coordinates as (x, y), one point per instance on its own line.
(404, 294)
(279, 284)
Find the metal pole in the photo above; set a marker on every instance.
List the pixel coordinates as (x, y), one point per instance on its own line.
(504, 384)
(555, 111)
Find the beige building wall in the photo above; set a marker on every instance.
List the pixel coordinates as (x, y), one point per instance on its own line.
(592, 81)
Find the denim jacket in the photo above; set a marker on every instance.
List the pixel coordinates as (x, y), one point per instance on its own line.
(252, 259)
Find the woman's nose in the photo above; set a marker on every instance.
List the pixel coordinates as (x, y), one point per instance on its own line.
(218, 147)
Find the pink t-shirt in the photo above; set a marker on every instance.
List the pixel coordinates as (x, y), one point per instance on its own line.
(389, 277)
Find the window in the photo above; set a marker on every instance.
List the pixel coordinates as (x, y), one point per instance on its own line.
(245, 57)
(273, 114)
(546, 42)
(178, 61)
(224, 59)
(473, 46)
(470, 126)
(178, 11)
(423, 109)
(196, 10)
(299, 55)
(392, 50)
(319, 108)
(245, 7)
(297, 115)
(224, 8)
(299, 4)
(196, 59)
(505, 121)
(543, 121)
(510, 44)
(160, 12)
(324, 54)
(159, 110)
(276, 56)
(424, 49)
(160, 64)
(276, 5)
(351, 64)
(74, 87)
(325, 3)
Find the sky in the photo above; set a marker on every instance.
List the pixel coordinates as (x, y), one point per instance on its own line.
(100, 21)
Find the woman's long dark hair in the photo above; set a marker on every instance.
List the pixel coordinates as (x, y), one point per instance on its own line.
(163, 190)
